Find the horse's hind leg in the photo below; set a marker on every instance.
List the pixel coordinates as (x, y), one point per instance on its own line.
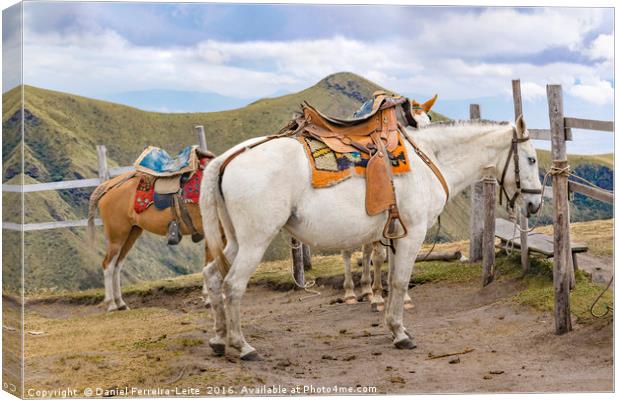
(378, 258)
(109, 264)
(349, 294)
(212, 279)
(365, 281)
(235, 283)
(134, 234)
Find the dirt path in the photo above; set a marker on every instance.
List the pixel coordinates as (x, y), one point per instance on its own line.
(320, 342)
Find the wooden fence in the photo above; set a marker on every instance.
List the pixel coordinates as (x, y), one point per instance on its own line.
(558, 133)
(104, 173)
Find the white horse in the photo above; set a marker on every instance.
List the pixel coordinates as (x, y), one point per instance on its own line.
(268, 188)
(375, 251)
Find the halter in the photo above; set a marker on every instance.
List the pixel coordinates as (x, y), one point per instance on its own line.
(514, 152)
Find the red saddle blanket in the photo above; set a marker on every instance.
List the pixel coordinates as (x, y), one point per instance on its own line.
(145, 191)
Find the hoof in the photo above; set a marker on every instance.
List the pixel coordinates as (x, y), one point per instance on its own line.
(405, 344)
(252, 356)
(366, 297)
(219, 349)
(207, 305)
(408, 305)
(112, 307)
(350, 300)
(123, 307)
(377, 307)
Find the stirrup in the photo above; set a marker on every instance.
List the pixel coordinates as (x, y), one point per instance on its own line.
(394, 216)
(174, 233)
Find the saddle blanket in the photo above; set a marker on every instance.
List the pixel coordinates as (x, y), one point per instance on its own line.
(158, 162)
(330, 167)
(145, 192)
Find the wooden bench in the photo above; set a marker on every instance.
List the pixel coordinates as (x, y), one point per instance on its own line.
(536, 242)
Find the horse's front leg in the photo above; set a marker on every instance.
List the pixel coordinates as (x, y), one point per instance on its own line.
(349, 293)
(365, 281)
(401, 265)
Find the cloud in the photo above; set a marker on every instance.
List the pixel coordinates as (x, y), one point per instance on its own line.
(601, 48)
(594, 90)
(450, 56)
(496, 31)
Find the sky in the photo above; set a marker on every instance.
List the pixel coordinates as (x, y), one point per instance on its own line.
(465, 54)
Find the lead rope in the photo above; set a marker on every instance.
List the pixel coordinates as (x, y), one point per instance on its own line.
(608, 308)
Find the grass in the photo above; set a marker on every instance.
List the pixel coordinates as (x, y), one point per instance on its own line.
(539, 293)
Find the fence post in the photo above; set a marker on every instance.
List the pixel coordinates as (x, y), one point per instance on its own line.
(488, 241)
(202, 140)
(476, 210)
(298, 262)
(307, 256)
(522, 216)
(102, 161)
(561, 237)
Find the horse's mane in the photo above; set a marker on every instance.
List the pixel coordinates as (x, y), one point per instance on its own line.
(479, 122)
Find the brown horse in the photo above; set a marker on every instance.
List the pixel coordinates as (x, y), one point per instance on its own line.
(122, 226)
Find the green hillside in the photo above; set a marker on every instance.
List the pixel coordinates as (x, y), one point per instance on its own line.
(62, 131)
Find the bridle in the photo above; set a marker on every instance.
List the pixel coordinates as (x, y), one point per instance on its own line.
(514, 153)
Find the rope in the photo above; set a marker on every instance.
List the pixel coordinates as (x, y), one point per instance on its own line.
(608, 308)
(306, 286)
(435, 240)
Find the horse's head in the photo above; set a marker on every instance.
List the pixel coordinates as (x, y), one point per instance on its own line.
(520, 172)
(420, 111)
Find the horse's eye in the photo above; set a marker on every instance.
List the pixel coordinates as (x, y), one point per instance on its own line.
(531, 160)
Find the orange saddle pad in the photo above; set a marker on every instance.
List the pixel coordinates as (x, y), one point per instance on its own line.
(330, 167)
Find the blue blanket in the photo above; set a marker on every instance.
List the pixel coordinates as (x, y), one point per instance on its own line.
(158, 162)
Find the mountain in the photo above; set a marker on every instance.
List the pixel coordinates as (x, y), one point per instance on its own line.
(62, 131)
(163, 100)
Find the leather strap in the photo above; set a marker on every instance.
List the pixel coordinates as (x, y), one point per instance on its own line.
(187, 219)
(428, 162)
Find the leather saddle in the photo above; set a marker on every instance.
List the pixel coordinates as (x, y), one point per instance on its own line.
(170, 176)
(376, 134)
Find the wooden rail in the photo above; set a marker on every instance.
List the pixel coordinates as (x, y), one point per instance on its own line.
(603, 195)
(104, 173)
(592, 124)
(39, 226)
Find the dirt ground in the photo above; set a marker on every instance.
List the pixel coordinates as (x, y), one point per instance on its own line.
(162, 343)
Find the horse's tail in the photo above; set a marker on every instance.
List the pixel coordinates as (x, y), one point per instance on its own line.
(214, 213)
(93, 202)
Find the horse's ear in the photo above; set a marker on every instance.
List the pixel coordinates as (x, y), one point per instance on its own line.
(521, 127)
(429, 104)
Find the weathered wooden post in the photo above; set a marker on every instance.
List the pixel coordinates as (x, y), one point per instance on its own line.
(202, 139)
(561, 235)
(102, 161)
(298, 262)
(488, 239)
(522, 216)
(476, 209)
(307, 256)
